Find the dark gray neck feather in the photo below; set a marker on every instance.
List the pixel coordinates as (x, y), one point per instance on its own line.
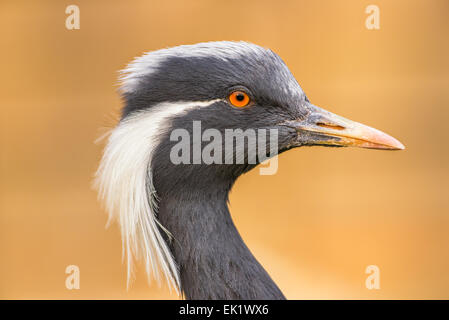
(214, 261)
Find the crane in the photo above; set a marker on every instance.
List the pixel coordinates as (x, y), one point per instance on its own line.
(174, 214)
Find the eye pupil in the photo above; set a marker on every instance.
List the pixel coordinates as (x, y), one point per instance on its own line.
(240, 97)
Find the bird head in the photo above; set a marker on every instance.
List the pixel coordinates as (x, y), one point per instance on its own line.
(222, 87)
(235, 86)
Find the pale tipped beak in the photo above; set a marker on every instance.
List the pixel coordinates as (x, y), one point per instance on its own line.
(322, 127)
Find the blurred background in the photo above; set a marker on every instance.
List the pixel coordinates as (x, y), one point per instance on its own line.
(390, 209)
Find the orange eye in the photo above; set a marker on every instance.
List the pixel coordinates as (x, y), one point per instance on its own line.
(239, 99)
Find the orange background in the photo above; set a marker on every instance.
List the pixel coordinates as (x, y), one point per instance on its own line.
(315, 225)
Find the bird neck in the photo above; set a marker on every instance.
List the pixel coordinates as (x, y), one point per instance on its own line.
(213, 260)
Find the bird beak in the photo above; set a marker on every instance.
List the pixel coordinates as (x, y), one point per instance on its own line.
(321, 127)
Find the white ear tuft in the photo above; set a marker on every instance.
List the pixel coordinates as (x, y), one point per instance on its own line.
(125, 183)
